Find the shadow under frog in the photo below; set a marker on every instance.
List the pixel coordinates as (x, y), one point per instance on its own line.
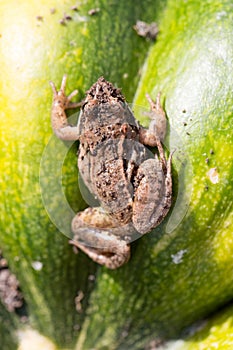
(133, 187)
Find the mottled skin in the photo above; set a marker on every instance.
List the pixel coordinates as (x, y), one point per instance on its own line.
(134, 189)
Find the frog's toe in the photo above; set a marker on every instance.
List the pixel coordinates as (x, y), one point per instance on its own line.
(63, 83)
(70, 104)
(73, 93)
(53, 88)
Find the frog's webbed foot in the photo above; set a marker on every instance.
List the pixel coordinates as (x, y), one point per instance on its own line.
(61, 102)
(93, 235)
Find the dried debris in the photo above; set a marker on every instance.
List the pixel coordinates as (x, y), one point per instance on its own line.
(10, 294)
(146, 30)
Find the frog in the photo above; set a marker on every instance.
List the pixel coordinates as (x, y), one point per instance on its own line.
(132, 185)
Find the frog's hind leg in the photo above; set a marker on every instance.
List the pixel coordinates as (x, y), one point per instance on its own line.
(93, 234)
(153, 194)
(109, 259)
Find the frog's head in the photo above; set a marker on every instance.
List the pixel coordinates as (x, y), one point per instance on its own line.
(102, 92)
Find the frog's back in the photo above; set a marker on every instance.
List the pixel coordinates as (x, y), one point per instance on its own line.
(110, 152)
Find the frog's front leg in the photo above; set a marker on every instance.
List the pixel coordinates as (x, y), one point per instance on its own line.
(93, 234)
(157, 128)
(158, 124)
(61, 102)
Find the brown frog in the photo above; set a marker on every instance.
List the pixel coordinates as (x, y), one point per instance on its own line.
(133, 187)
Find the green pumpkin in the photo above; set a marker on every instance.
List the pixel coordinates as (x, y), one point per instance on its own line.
(182, 270)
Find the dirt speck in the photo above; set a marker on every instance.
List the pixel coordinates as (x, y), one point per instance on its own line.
(93, 12)
(74, 8)
(68, 17)
(40, 18)
(62, 21)
(52, 11)
(78, 300)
